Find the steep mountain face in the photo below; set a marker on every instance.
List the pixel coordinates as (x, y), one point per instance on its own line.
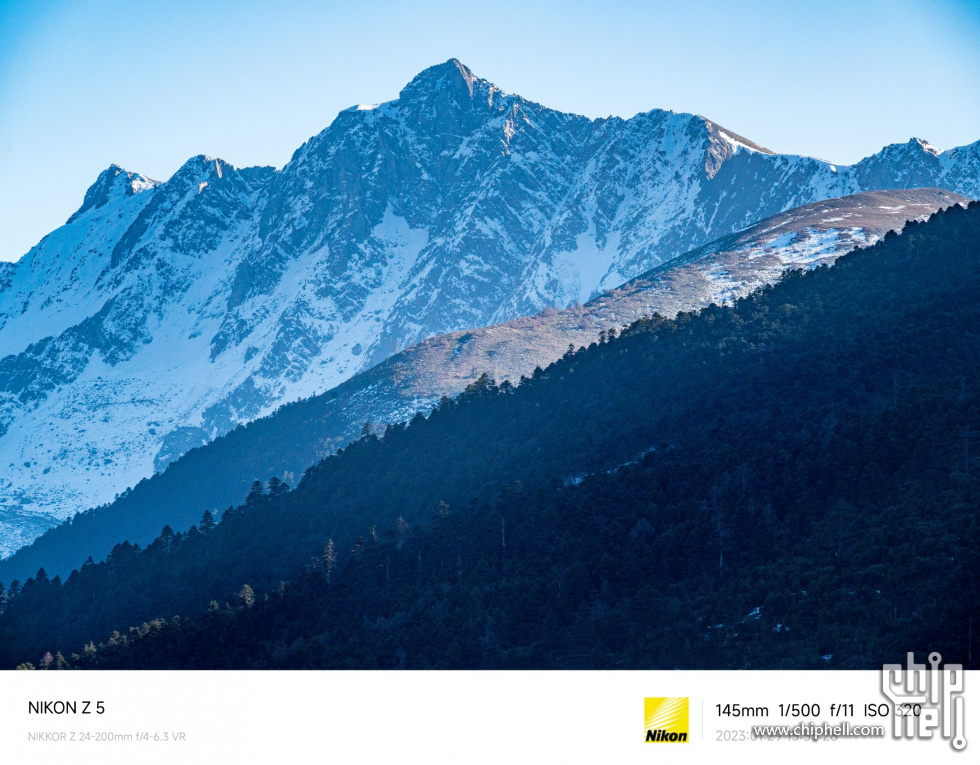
(164, 314)
(748, 487)
(300, 434)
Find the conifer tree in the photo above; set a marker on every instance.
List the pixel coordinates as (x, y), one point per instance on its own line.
(401, 532)
(247, 596)
(207, 522)
(329, 559)
(277, 488)
(358, 550)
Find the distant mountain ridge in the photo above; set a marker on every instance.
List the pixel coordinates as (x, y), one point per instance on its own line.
(164, 314)
(298, 435)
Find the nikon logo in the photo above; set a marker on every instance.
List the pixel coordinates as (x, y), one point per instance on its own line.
(661, 736)
(666, 720)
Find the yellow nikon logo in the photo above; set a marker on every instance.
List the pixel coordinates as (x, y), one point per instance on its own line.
(666, 720)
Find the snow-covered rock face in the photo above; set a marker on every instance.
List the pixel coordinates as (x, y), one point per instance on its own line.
(718, 272)
(163, 314)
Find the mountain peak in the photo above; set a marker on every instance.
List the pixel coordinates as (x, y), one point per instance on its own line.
(452, 76)
(199, 171)
(202, 163)
(114, 182)
(913, 146)
(925, 146)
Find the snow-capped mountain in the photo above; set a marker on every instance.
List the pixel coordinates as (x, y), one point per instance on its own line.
(164, 314)
(719, 272)
(297, 435)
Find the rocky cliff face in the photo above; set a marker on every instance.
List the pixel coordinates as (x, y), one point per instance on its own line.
(719, 272)
(299, 434)
(164, 314)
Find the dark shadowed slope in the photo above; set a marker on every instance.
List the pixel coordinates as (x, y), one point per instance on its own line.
(285, 444)
(789, 482)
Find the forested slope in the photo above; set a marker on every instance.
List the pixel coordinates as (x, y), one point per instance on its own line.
(790, 482)
(219, 474)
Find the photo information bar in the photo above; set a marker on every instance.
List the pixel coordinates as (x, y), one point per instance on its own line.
(475, 717)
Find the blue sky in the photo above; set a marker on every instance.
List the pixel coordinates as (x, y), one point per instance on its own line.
(85, 83)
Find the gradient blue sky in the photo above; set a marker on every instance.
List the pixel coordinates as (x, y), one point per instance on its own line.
(85, 83)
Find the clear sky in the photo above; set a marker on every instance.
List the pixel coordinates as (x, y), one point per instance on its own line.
(85, 83)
